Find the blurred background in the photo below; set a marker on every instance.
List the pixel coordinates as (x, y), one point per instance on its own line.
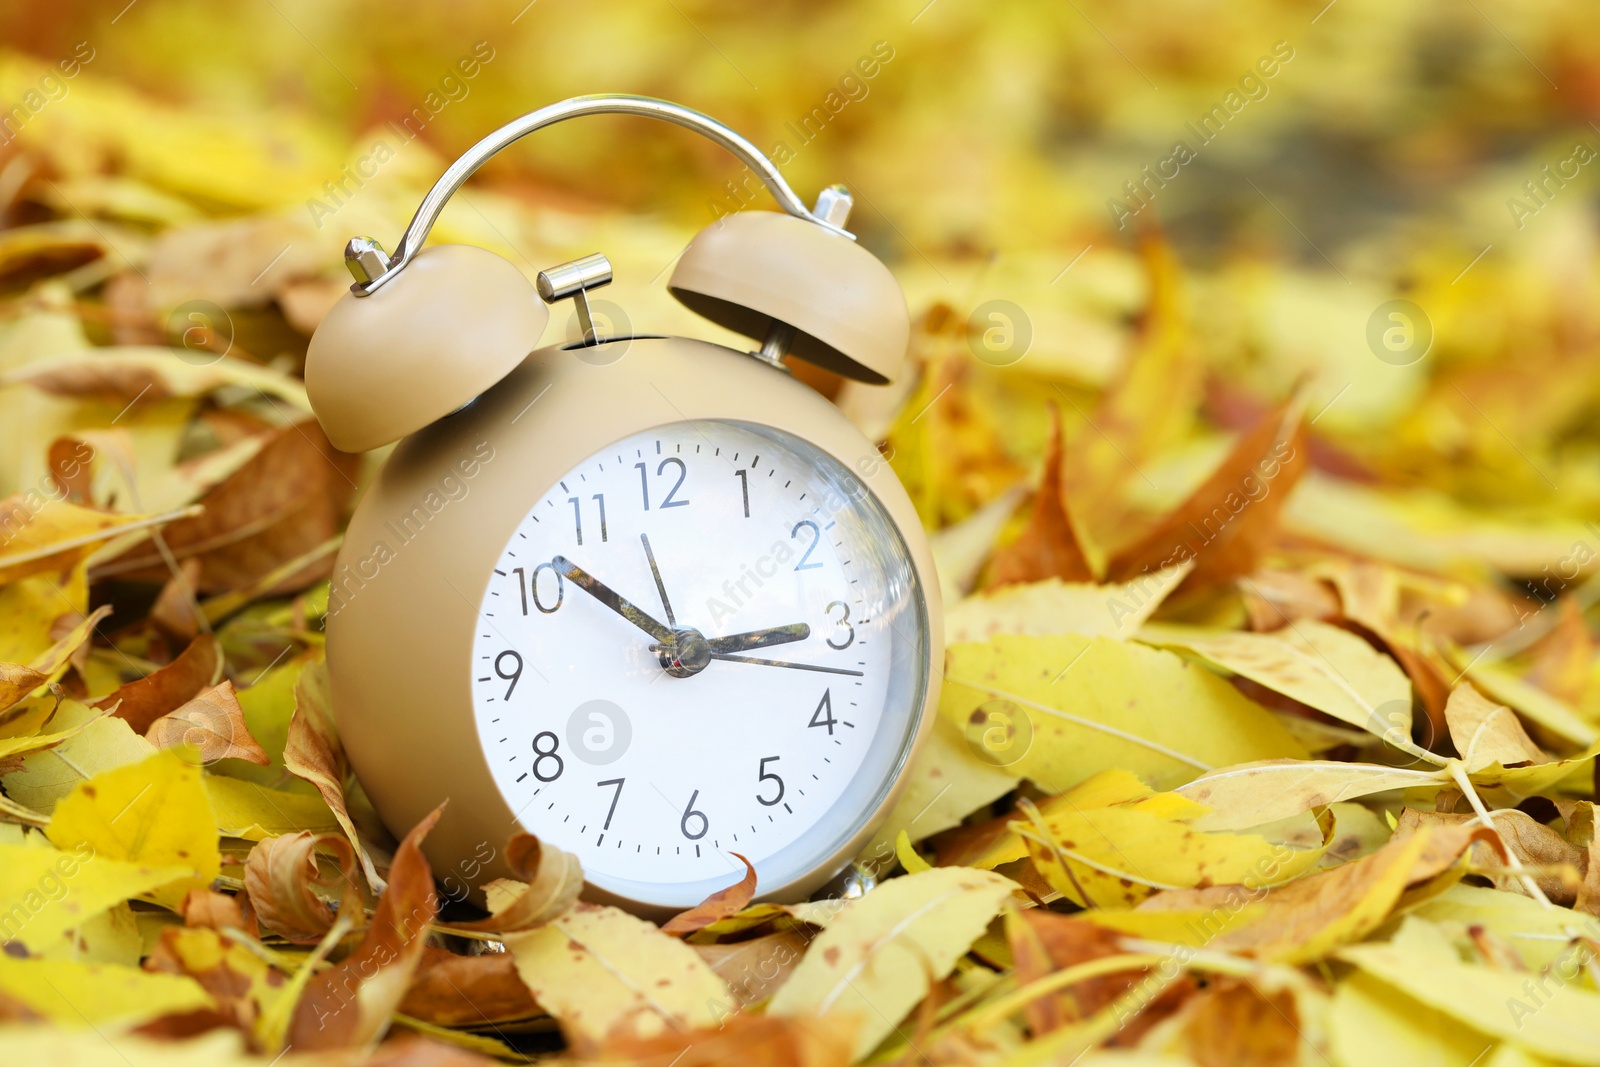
(1386, 204)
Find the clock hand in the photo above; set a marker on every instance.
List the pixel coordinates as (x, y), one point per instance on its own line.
(781, 663)
(772, 635)
(611, 599)
(655, 572)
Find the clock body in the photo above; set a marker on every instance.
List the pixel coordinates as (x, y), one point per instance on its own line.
(470, 662)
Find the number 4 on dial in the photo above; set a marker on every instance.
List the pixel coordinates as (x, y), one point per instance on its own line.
(823, 716)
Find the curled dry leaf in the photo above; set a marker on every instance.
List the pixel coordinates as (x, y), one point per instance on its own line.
(313, 752)
(140, 703)
(212, 724)
(1557, 865)
(351, 1004)
(719, 905)
(452, 990)
(1048, 546)
(546, 883)
(282, 877)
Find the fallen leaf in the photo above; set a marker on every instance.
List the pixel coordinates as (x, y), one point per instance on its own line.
(544, 883)
(97, 995)
(312, 751)
(282, 877)
(1233, 1023)
(212, 724)
(1056, 607)
(1486, 733)
(39, 535)
(45, 892)
(1048, 546)
(153, 812)
(1094, 704)
(143, 701)
(606, 975)
(879, 957)
(719, 905)
(751, 1040)
(1319, 665)
(351, 1004)
(1254, 794)
(1229, 522)
(451, 990)
(18, 680)
(756, 968)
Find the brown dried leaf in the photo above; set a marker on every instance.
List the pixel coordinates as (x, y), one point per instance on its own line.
(313, 752)
(1228, 524)
(215, 911)
(1043, 942)
(754, 969)
(351, 1004)
(140, 703)
(1556, 864)
(452, 990)
(748, 1040)
(553, 881)
(1233, 1023)
(1048, 547)
(286, 500)
(718, 906)
(282, 877)
(213, 724)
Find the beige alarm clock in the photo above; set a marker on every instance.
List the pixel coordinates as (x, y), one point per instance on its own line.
(658, 610)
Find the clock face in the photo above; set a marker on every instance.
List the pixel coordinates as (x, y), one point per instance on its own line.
(705, 639)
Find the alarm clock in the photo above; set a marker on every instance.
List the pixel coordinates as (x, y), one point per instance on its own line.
(649, 598)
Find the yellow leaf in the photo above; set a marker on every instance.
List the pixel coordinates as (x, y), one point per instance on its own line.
(96, 995)
(1254, 794)
(603, 973)
(1371, 1025)
(1320, 665)
(87, 1048)
(1097, 703)
(29, 607)
(1112, 842)
(44, 892)
(44, 536)
(1559, 1024)
(100, 742)
(876, 960)
(945, 784)
(1548, 711)
(1486, 733)
(1057, 607)
(254, 812)
(153, 812)
(18, 680)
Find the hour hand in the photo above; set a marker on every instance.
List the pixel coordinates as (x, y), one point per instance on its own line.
(772, 635)
(610, 598)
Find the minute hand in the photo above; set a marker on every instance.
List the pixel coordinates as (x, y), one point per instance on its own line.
(610, 598)
(772, 635)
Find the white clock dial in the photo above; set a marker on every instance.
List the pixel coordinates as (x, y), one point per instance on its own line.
(705, 639)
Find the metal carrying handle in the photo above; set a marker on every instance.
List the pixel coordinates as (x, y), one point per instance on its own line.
(373, 267)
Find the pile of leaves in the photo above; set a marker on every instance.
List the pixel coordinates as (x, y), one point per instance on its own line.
(1267, 735)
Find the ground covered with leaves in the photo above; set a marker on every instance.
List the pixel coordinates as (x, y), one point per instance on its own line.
(1270, 711)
